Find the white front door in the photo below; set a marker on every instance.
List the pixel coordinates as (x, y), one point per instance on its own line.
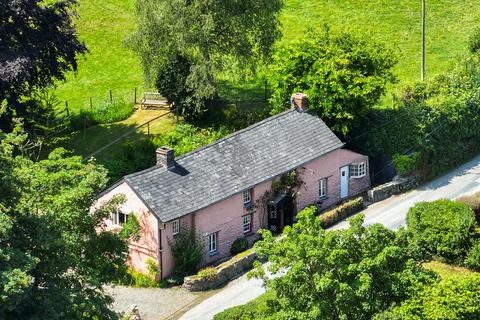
(344, 182)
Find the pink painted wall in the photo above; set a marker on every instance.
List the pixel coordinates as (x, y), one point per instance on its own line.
(225, 217)
(328, 167)
(147, 246)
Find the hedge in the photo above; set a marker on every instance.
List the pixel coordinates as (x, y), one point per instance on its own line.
(344, 210)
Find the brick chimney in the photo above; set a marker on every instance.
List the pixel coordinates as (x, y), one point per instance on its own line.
(299, 101)
(165, 158)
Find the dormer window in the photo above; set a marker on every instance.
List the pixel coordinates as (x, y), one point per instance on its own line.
(247, 196)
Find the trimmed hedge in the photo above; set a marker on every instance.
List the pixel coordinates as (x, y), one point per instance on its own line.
(344, 210)
(259, 308)
(442, 228)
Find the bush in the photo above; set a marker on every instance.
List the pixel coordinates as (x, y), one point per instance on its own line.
(208, 273)
(187, 250)
(455, 298)
(106, 112)
(239, 245)
(473, 201)
(441, 228)
(406, 164)
(345, 209)
(472, 261)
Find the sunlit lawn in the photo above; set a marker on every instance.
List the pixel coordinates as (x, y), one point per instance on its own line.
(446, 270)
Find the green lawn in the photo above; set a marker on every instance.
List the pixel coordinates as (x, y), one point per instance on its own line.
(449, 23)
(104, 26)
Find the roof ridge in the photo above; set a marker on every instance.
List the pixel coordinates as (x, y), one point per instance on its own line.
(233, 134)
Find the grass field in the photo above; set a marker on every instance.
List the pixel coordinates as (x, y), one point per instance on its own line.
(104, 25)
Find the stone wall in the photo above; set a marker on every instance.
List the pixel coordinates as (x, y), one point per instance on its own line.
(396, 186)
(225, 272)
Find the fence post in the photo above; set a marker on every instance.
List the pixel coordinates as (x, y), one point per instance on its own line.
(135, 96)
(91, 104)
(111, 99)
(66, 108)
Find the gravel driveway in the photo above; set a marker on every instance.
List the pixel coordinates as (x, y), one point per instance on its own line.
(153, 303)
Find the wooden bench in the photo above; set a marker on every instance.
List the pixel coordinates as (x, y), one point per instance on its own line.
(153, 99)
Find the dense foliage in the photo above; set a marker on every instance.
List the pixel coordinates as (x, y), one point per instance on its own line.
(184, 44)
(473, 201)
(437, 118)
(38, 45)
(187, 251)
(343, 74)
(344, 274)
(456, 298)
(442, 229)
(54, 256)
(260, 308)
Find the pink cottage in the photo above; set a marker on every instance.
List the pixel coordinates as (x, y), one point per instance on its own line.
(214, 190)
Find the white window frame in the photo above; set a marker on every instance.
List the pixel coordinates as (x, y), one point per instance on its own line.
(116, 218)
(175, 227)
(358, 170)
(247, 223)
(322, 187)
(212, 243)
(247, 196)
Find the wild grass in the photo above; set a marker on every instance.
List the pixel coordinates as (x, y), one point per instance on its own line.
(446, 270)
(105, 112)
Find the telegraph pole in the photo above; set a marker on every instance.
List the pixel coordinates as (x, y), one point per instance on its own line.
(423, 40)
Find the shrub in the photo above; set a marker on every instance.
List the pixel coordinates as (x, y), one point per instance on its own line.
(138, 279)
(441, 228)
(473, 201)
(406, 164)
(131, 228)
(208, 273)
(454, 298)
(472, 261)
(239, 245)
(187, 250)
(340, 212)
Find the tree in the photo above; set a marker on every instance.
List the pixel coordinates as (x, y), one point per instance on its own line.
(345, 274)
(54, 255)
(455, 298)
(38, 45)
(343, 75)
(184, 44)
(442, 228)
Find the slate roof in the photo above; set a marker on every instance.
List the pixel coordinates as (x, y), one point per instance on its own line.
(232, 164)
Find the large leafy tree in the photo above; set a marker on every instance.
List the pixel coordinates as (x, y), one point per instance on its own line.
(345, 274)
(38, 43)
(54, 256)
(344, 74)
(183, 44)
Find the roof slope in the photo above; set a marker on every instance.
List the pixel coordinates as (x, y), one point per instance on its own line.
(232, 164)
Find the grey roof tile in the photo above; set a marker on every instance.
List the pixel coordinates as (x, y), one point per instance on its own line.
(232, 164)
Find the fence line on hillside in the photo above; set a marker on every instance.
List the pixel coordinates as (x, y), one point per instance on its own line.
(125, 135)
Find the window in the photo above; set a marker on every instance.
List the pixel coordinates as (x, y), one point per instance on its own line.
(322, 188)
(247, 196)
(119, 218)
(212, 243)
(175, 227)
(357, 170)
(247, 223)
